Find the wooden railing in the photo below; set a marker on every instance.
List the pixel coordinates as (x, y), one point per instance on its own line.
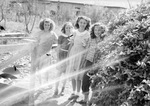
(23, 46)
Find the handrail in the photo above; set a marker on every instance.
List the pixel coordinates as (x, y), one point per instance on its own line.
(25, 51)
(11, 47)
(13, 34)
(22, 50)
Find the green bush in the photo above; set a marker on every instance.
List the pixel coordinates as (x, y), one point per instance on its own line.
(125, 68)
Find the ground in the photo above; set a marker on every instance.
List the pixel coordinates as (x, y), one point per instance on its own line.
(45, 98)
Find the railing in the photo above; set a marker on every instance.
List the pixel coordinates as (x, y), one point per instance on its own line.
(22, 45)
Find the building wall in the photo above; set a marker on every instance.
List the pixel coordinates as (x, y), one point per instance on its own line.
(59, 10)
(59, 7)
(65, 11)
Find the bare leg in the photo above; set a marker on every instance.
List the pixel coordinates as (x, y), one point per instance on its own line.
(74, 85)
(40, 75)
(57, 84)
(40, 79)
(46, 77)
(56, 88)
(63, 87)
(78, 85)
(91, 94)
(73, 95)
(86, 96)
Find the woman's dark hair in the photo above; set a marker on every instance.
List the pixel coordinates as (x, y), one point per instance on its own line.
(103, 27)
(52, 24)
(85, 18)
(64, 26)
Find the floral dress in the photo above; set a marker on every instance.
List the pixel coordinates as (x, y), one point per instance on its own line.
(77, 52)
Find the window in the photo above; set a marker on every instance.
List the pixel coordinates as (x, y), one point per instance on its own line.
(77, 11)
(52, 13)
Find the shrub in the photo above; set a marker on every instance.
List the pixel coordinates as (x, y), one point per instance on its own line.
(126, 61)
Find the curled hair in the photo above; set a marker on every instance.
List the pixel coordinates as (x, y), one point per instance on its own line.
(52, 24)
(64, 26)
(102, 26)
(85, 18)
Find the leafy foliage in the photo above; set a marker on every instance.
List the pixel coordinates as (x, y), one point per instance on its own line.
(126, 61)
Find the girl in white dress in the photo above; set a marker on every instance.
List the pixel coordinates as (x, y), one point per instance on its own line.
(81, 37)
(45, 38)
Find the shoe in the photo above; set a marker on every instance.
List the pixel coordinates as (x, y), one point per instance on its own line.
(37, 94)
(56, 93)
(82, 102)
(89, 103)
(73, 96)
(62, 91)
(61, 94)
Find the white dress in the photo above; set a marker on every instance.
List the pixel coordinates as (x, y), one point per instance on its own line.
(45, 42)
(77, 52)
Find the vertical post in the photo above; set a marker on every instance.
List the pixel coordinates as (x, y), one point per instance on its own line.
(129, 3)
(32, 75)
(58, 10)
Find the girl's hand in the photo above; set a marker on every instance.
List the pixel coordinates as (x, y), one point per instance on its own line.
(84, 42)
(71, 41)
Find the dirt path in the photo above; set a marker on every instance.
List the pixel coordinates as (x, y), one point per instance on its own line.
(46, 99)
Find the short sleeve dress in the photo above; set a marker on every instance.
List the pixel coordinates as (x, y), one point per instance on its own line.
(64, 43)
(77, 52)
(45, 42)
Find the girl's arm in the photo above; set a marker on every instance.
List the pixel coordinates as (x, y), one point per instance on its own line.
(59, 41)
(57, 52)
(55, 38)
(71, 42)
(86, 40)
(54, 42)
(36, 39)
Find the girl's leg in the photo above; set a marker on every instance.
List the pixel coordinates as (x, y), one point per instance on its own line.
(57, 84)
(63, 87)
(85, 86)
(73, 95)
(91, 95)
(74, 85)
(78, 85)
(60, 72)
(56, 88)
(64, 82)
(86, 82)
(39, 74)
(47, 77)
(42, 74)
(40, 79)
